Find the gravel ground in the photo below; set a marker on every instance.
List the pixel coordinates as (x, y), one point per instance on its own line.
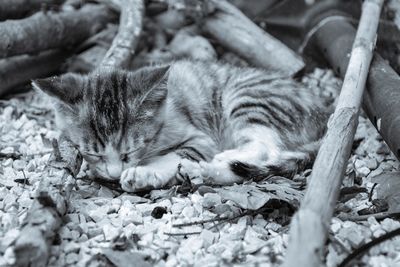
(143, 228)
(105, 226)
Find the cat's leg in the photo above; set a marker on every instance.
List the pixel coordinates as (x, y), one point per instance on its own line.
(254, 146)
(162, 170)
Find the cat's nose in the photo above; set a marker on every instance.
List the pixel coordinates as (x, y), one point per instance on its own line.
(114, 170)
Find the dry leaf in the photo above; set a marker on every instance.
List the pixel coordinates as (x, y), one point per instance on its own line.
(389, 189)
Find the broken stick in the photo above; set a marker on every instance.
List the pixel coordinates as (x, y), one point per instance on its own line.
(310, 225)
(130, 28)
(232, 29)
(45, 31)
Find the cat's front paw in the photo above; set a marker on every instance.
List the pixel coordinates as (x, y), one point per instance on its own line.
(140, 178)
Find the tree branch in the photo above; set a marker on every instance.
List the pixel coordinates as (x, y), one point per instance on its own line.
(44, 31)
(130, 28)
(309, 227)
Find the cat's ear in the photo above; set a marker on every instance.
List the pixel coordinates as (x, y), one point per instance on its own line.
(155, 76)
(157, 80)
(67, 88)
(150, 83)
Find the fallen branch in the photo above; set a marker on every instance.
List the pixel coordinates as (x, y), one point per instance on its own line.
(94, 50)
(19, 70)
(44, 217)
(232, 29)
(130, 28)
(44, 31)
(309, 227)
(16, 9)
(378, 216)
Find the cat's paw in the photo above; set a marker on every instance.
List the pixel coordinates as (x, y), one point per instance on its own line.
(191, 170)
(218, 171)
(140, 178)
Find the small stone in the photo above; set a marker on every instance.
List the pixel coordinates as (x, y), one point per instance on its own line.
(71, 258)
(105, 192)
(208, 237)
(115, 205)
(7, 163)
(25, 200)
(359, 164)
(211, 200)
(375, 172)
(65, 233)
(8, 150)
(363, 171)
(335, 227)
(71, 247)
(83, 238)
(98, 213)
(372, 164)
(19, 165)
(72, 217)
(75, 234)
(158, 212)
(188, 212)
(177, 208)
(94, 231)
(9, 201)
(110, 232)
(31, 166)
(378, 232)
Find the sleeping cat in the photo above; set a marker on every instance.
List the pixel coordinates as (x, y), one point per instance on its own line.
(225, 123)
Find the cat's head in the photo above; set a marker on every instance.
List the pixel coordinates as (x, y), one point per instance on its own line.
(112, 116)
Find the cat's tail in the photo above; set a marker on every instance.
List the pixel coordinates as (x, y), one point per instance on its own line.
(290, 163)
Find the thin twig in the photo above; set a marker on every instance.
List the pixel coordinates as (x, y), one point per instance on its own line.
(364, 248)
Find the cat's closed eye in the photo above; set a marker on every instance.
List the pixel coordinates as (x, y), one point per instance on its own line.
(92, 158)
(125, 156)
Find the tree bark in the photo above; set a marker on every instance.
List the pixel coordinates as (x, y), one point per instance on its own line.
(130, 28)
(334, 41)
(44, 31)
(19, 70)
(16, 9)
(309, 227)
(232, 29)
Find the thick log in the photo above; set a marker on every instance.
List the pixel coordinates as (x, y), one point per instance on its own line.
(232, 29)
(16, 9)
(20, 70)
(382, 95)
(310, 225)
(45, 31)
(32, 247)
(130, 28)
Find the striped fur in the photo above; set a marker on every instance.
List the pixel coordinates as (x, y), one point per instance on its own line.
(224, 122)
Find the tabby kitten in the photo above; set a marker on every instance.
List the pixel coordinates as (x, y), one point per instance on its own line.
(225, 123)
